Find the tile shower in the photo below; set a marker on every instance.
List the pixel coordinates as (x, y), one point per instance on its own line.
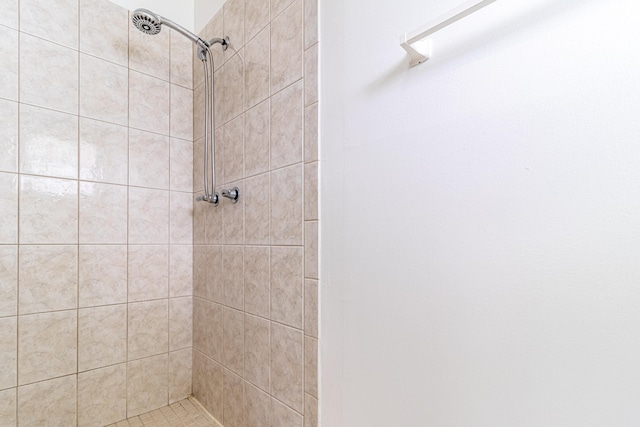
(107, 267)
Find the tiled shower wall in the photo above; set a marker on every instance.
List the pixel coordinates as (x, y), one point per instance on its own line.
(95, 215)
(255, 262)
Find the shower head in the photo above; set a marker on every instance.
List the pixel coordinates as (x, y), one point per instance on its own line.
(150, 23)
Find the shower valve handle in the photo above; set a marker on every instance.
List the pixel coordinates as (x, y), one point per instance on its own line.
(232, 194)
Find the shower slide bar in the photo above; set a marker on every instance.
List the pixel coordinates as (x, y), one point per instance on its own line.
(419, 50)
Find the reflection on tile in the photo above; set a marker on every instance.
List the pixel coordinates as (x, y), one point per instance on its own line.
(181, 167)
(181, 112)
(103, 90)
(148, 102)
(102, 336)
(256, 202)
(148, 159)
(150, 56)
(232, 395)
(180, 323)
(103, 275)
(286, 206)
(256, 357)
(8, 63)
(181, 218)
(180, 374)
(48, 278)
(282, 416)
(286, 126)
(48, 142)
(148, 216)
(48, 210)
(148, 272)
(112, 41)
(8, 352)
(47, 346)
(8, 401)
(257, 280)
(286, 285)
(61, 17)
(8, 134)
(180, 270)
(37, 71)
(257, 408)
(8, 280)
(104, 152)
(256, 17)
(233, 340)
(59, 396)
(257, 139)
(311, 133)
(286, 47)
(102, 396)
(147, 384)
(9, 208)
(148, 328)
(311, 308)
(181, 60)
(103, 213)
(287, 366)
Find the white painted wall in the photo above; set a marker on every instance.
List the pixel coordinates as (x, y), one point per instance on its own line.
(205, 10)
(481, 216)
(180, 11)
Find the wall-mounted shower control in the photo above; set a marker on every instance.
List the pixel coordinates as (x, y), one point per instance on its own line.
(232, 194)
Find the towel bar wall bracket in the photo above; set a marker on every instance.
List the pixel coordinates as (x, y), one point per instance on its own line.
(419, 52)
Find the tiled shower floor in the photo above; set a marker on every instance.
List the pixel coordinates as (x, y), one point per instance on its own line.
(187, 412)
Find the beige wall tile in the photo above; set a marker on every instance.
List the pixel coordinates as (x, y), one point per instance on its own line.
(283, 416)
(257, 213)
(311, 308)
(102, 396)
(148, 329)
(286, 206)
(257, 408)
(104, 90)
(59, 396)
(287, 366)
(8, 280)
(232, 99)
(9, 14)
(199, 110)
(257, 139)
(311, 191)
(37, 71)
(48, 210)
(148, 101)
(180, 323)
(233, 353)
(286, 47)
(311, 133)
(256, 356)
(277, 6)
(233, 156)
(214, 28)
(104, 152)
(8, 131)
(181, 123)
(181, 60)
(60, 16)
(257, 65)
(148, 160)
(48, 278)
(47, 346)
(233, 263)
(102, 336)
(233, 394)
(148, 272)
(257, 280)
(311, 366)
(181, 165)
(150, 55)
(8, 352)
(286, 285)
(310, 23)
(214, 290)
(233, 19)
(102, 275)
(181, 218)
(111, 42)
(257, 15)
(310, 411)
(48, 142)
(200, 271)
(9, 64)
(200, 329)
(214, 231)
(8, 404)
(200, 210)
(103, 213)
(214, 331)
(311, 75)
(286, 126)
(208, 384)
(180, 363)
(180, 270)
(311, 250)
(148, 216)
(233, 216)
(9, 208)
(147, 384)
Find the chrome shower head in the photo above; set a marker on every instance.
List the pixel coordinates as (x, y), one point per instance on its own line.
(146, 21)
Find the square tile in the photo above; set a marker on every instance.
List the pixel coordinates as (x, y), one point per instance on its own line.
(103, 213)
(147, 384)
(104, 89)
(311, 133)
(283, 416)
(8, 406)
(9, 63)
(257, 214)
(233, 262)
(286, 285)
(148, 160)
(257, 67)
(286, 126)
(286, 47)
(181, 60)
(233, 18)
(180, 270)
(9, 208)
(112, 41)
(148, 272)
(310, 23)
(311, 308)
(48, 278)
(287, 366)
(311, 366)
(102, 336)
(181, 123)
(180, 374)
(9, 15)
(310, 411)
(257, 408)
(257, 16)
(311, 75)
(150, 55)
(181, 218)
(8, 280)
(233, 392)
(8, 352)
(102, 396)
(180, 323)
(257, 265)
(311, 191)
(148, 216)
(148, 329)
(257, 139)
(148, 102)
(311, 250)
(287, 206)
(102, 275)
(60, 16)
(104, 151)
(8, 135)
(234, 340)
(181, 165)
(58, 395)
(256, 356)
(233, 156)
